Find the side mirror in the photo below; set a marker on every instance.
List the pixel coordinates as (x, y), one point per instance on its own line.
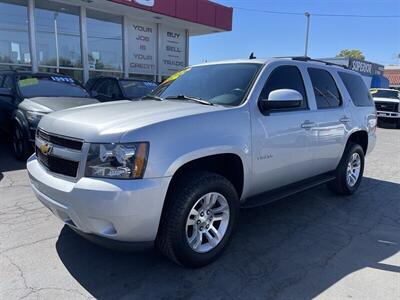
(7, 92)
(281, 99)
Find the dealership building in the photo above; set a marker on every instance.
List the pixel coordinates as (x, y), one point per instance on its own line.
(372, 73)
(146, 39)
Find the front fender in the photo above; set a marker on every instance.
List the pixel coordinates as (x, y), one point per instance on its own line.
(205, 152)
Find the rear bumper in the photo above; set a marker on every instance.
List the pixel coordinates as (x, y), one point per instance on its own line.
(121, 210)
(388, 114)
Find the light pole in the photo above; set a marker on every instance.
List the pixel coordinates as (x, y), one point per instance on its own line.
(307, 14)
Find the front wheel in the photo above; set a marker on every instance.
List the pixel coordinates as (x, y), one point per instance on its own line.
(198, 220)
(21, 145)
(350, 171)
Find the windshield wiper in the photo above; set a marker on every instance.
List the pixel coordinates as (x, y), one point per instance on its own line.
(153, 97)
(189, 98)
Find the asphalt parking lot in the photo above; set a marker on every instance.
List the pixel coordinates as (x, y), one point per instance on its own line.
(311, 245)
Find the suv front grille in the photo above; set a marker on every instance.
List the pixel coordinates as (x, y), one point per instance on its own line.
(58, 165)
(61, 141)
(387, 106)
(64, 154)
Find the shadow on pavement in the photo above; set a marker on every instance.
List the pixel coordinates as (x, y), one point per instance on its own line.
(388, 124)
(7, 160)
(292, 249)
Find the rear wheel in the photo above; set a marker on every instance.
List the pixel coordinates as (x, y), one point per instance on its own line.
(198, 220)
(350, 171)
(20, 142)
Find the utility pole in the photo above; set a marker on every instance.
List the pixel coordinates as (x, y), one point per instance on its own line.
(308, 15)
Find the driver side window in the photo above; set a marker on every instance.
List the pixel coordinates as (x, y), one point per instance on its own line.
(285, 77)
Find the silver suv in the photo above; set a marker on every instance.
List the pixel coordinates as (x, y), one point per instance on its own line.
(175, 167)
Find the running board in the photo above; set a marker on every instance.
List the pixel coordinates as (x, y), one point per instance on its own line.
(286, 191)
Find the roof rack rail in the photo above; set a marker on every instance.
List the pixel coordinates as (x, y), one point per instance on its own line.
(306, 58)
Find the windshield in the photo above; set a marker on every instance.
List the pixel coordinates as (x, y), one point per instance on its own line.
(224, 84)
(385, 94)
(49, 86)
(137, 89)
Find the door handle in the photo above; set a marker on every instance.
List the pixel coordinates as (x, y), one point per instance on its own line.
(344, 120)
(308, 125)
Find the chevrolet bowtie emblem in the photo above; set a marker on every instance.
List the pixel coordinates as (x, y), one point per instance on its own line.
(46, 149)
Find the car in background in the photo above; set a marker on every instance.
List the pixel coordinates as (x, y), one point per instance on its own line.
(25, 97)
(113, 88)
(387, 103)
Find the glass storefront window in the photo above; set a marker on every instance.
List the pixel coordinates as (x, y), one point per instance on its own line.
(93, 74)
(57, 32)
(14, 37)
(104, 41)
(141, 77)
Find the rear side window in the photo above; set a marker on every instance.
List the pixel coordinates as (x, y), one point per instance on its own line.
(357, 89)
(325, 89)
(285, 77)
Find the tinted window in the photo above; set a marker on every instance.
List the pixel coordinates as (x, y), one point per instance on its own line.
(285, 77)
(102, 87)
(392, 94)
(49, 86)
(108, 88)
(137, 89)
(90, 83)
(325, 90)
(8, 82)
(115, 91)
(225, 84)
(357, 89)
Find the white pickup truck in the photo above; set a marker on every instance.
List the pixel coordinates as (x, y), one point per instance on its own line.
(175, 167)
(387, 103)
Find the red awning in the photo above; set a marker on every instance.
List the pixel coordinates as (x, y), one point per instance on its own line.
(197, 11)
(393, 76)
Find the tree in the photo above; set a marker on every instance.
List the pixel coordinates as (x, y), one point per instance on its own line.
(355, 53)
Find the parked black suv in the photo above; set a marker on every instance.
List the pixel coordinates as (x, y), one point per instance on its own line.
(113, 88)
(25, 97)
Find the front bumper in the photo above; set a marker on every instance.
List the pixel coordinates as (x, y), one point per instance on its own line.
(388, 114)
(121, 210)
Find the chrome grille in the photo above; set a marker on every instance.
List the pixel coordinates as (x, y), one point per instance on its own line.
(61, 141)
(58, 154)
(387, 106)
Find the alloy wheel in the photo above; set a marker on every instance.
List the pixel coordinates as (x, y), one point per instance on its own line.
(207, 222)
(353, 169)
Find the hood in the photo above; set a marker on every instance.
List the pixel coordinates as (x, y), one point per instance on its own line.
(378, 99)
(49, 104)
(106, 122)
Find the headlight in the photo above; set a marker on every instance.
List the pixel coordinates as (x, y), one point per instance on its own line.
(123, 161)
(34, 116)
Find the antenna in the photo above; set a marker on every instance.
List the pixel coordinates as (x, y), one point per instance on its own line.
(252, 56)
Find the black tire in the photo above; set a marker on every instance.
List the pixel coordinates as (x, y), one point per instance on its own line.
(171, 239)
(398, 124)
(21, 145)
(340, 184)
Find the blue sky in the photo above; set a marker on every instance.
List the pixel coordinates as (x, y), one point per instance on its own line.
(278, 35)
